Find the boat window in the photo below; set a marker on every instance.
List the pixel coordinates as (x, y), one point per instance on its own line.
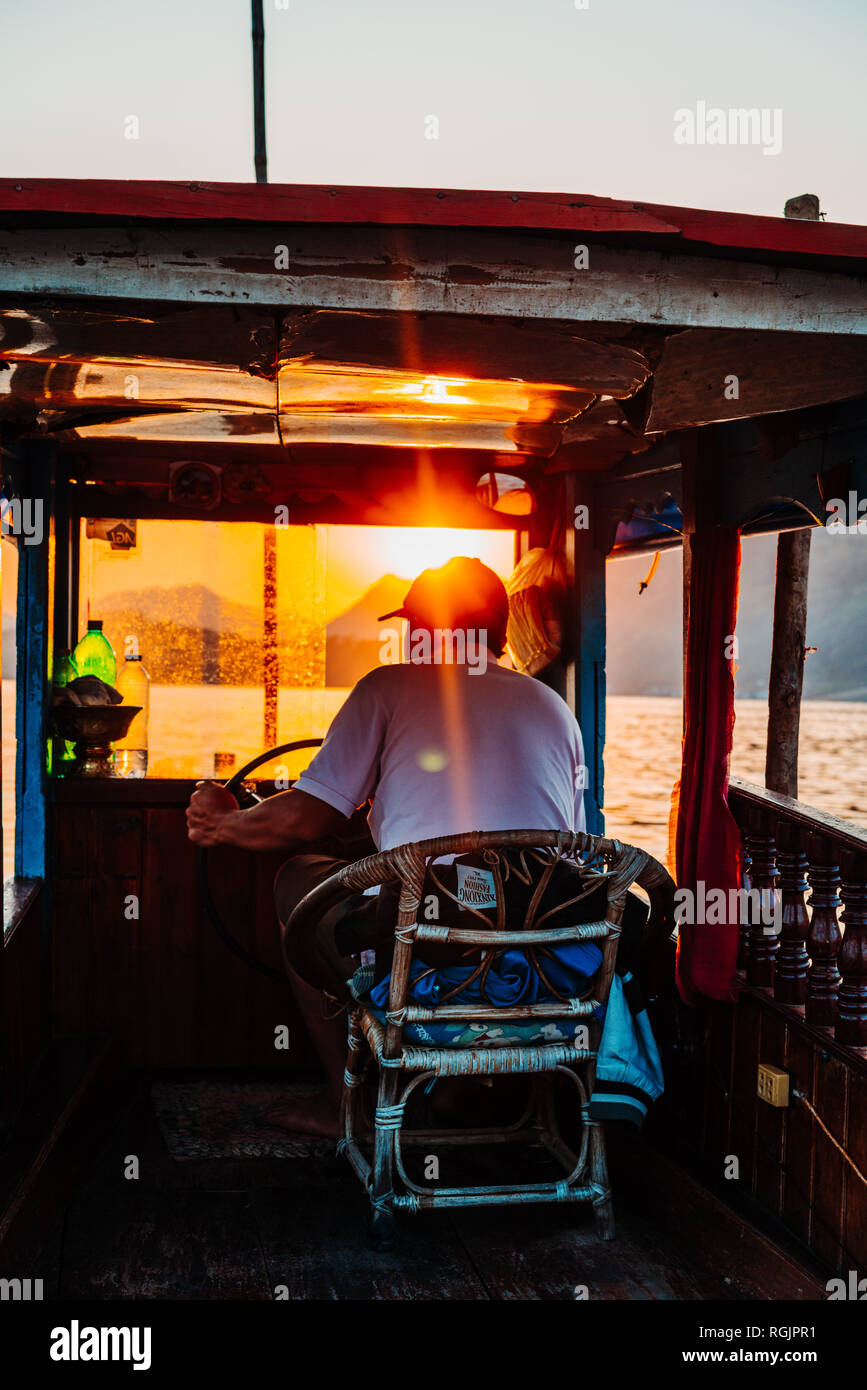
(251, 635)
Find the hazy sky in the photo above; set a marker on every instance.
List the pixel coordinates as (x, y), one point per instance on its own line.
(534, 95)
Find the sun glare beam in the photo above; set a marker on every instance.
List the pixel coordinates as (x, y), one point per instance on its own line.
(407, 551)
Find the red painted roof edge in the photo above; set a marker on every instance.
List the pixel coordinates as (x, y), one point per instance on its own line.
(427, 207)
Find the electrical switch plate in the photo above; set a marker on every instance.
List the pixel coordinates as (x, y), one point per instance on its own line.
(773, 1085)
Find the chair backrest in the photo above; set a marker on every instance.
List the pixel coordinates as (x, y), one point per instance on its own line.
(618, 865)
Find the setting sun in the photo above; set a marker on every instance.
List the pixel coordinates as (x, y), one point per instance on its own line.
(360, 555)
(407, 551)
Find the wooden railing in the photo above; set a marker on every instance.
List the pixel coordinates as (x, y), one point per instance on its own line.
(817, 863)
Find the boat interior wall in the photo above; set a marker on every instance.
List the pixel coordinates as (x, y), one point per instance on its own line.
(789, 1169)
(24, 1013)
(110, 971)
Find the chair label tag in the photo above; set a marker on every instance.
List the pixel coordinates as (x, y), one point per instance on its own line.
(475, 887)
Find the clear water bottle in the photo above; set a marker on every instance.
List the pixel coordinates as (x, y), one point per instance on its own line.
(94, 655)
(131, 752)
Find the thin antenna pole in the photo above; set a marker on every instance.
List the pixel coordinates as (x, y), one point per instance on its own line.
(260, 156)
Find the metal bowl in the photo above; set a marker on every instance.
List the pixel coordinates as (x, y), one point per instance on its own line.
(93, 729)
(94, 724)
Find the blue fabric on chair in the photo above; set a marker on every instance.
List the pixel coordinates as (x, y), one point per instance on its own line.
(511, 978)
(628, 1067)
(628, 1071)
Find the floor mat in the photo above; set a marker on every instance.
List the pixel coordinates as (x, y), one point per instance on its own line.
(217, 1119)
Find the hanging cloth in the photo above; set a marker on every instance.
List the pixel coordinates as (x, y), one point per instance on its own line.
(707, 842)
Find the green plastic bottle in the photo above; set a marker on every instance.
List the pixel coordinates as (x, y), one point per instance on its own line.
(64, 672)
(94, 655)
(66, 669)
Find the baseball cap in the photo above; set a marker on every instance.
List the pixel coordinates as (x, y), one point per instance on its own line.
(450, 596)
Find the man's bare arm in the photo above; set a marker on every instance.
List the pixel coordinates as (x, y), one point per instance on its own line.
(283, 821)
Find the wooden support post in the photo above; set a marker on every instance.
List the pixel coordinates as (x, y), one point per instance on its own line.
(787, 661)
(65, 597)
(699, 453)
(584, 689)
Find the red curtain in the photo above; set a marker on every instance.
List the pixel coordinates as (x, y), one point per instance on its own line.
(707, 843)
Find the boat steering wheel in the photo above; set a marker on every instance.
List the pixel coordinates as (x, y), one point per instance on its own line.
(232, 785)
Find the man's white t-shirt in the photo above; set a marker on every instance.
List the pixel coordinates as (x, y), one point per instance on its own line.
(445, 749)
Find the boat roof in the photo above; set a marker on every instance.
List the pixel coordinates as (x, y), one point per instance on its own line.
(326, 329)
(636, 223)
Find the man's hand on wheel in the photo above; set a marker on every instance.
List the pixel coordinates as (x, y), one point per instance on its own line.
(285, 821)
(207, 811)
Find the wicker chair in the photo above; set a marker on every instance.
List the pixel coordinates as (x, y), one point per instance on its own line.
(402, 1066)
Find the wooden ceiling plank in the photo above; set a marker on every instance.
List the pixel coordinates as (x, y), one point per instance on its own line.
(132, 385)
(450, 345)
(222, 336)
(710, 376)
(427, 270)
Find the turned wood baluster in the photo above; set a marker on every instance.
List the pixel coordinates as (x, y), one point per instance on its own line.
(851, 1025)
(740, 815)
(790, 976)
(763, 930)
(824, 936)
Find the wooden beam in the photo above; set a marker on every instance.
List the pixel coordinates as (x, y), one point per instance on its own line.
(596, 439)
(706, 376)
(402, 505)
(787, 661)
(131, 385)
(305, 466)
(218, 335)
(452, 345)
(757, 470)
(425, 270)
(700, 456)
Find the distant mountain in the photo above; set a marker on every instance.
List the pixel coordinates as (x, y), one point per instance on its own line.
(189, 635)
(352, 642)
(644, 632)
(191, 605)
(361, 619)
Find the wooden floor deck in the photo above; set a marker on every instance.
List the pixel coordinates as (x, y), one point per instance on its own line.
(261, 1228)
